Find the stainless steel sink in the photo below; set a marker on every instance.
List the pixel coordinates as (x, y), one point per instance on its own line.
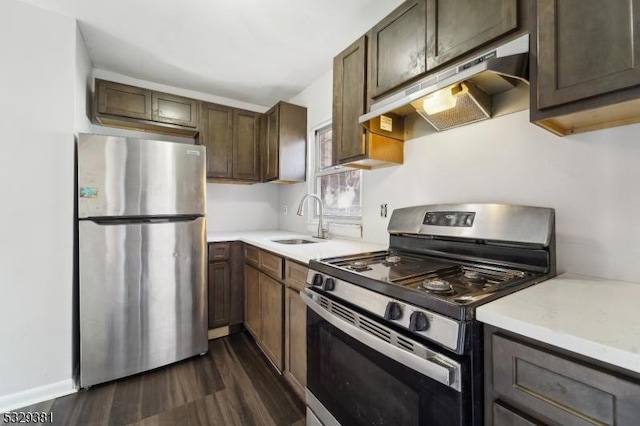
(295, 241)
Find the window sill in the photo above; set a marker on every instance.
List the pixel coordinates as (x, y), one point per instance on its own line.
(347, 230)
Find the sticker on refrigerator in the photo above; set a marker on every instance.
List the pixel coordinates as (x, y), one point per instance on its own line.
(88, 192)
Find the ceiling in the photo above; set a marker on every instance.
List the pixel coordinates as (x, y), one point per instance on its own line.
(256, 51)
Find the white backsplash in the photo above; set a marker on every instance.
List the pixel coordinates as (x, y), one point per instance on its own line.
(241, 207)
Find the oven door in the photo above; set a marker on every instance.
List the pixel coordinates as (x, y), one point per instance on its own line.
(360, 372)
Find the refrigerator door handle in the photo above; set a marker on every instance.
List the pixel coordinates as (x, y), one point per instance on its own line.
(139, 220)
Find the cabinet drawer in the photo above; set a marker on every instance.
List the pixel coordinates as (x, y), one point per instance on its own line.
(503, 416)
(271, 263)
(562, 390)
(252, 255)
(295, 274)
(219, 251)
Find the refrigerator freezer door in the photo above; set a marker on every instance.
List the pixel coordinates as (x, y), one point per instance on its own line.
(143, 297)
(137, 177)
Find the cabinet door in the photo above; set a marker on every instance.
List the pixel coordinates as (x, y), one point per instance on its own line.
(586, 48)
(246, 148)
(236, 295)
(252, 301)
(270, 161)
(219, 288)
(123, 100)
(397, 48)
(455, 27)
(271, 306)
(174, 109)
(349, 97)
(217, 136)
(295, 340)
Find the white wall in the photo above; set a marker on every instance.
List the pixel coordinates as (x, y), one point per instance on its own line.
(242, 207)
(36, 215)
(588, 178)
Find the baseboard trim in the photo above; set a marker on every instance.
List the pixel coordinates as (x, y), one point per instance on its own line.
(36, 395)
(215, 333)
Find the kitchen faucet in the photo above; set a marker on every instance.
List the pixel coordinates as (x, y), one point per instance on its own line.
(322, 231)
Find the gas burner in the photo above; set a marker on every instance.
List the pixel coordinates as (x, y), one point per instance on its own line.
(474, 277)
(437, 285)
(359, 266)
(393, 259)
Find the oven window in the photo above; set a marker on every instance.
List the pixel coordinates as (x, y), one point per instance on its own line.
(360, 386)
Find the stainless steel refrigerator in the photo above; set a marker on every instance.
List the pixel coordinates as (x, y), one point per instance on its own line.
(142, 255)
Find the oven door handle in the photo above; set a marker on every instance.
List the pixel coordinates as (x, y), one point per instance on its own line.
(428, 363)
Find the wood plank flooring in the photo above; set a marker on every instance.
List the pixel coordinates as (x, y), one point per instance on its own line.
(233, 384)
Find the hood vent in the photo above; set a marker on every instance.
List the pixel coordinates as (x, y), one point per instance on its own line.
(491, 84)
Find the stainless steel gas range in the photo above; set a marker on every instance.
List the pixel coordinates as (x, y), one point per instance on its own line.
(392, 336)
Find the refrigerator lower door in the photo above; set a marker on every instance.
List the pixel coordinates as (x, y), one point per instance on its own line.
(143, 297)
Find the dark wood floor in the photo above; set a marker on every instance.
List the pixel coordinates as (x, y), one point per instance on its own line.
(232, 385)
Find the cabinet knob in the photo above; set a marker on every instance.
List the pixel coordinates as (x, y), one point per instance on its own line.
(418, 321)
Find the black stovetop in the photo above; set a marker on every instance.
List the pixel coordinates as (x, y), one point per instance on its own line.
(450, 287)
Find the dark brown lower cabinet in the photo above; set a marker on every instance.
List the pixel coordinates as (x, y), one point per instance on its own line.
(219, 283)
(295, 364)
(252, 319)
(295, 327)
(264, 306)
(272, 308)
(530, 383)
(275, 314)
(225, 286)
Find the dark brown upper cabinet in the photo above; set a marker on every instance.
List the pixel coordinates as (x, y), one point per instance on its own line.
(349, 98)
(455, 27)
(217, 136)
(174, 109)
(246, 145)
(231, 138)
(284, 157)
(397, 48)
(352, 144)
(586, 75)
(135, 108)
(123, 100)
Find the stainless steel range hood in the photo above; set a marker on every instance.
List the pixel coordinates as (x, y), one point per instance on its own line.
(490, 84)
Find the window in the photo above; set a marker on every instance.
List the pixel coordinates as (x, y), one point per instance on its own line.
(338, 186)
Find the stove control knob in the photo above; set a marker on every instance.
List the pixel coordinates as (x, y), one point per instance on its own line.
(329, 284)
(317, 280)
(393, 311)
(418, 321)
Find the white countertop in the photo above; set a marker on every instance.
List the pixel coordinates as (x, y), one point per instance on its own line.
(594, 317)
(299, 252)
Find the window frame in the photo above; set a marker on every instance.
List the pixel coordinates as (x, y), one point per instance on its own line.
(318, 172)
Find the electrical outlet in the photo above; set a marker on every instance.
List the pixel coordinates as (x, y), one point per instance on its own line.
(383, 210)
(285, 209)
